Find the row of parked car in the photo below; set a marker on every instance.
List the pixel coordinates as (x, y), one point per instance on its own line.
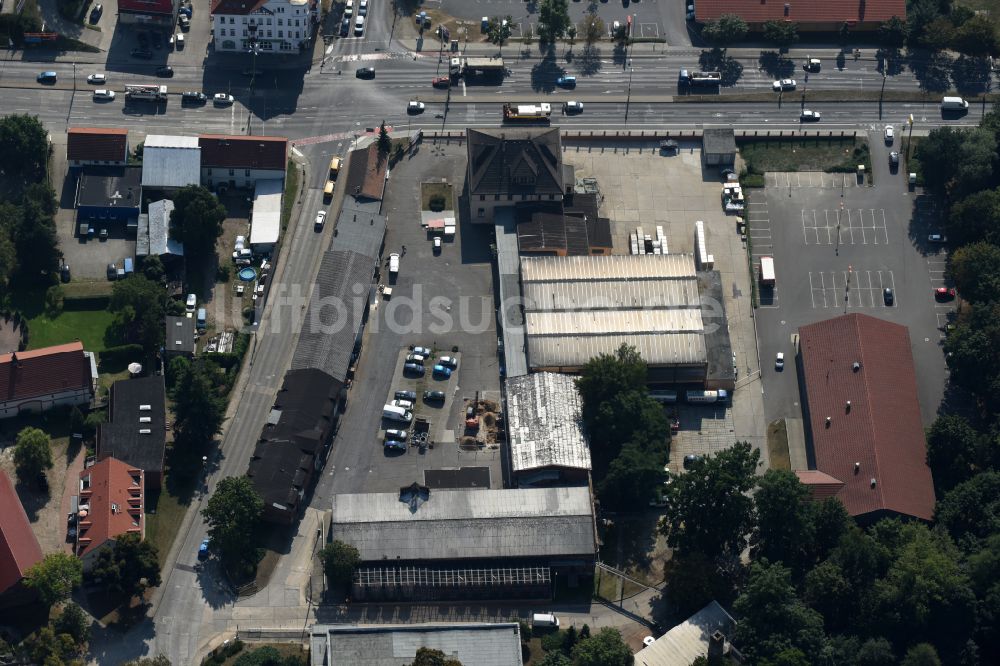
(414, 364)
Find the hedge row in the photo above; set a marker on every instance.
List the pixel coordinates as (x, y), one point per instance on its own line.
(122, 354)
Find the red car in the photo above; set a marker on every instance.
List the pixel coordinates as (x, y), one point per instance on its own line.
(441, 82)
(944, 294)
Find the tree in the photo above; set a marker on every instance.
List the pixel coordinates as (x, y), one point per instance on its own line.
(876, 652)
(694, 579)
(35, 239)
(591, 27)
(32, 454)
(233, 514)
(970, 511)
(975, 218)
(8, 253)
(971, 350)
(128, 567)
(955, 451)
(152, 268)
(55, 577)
(845, 33)
(555, 659)
(140, 305)
(553, 20)
(708, 509)
(197, 221)
(726, 30)
(24, 147)
(571, 35)
(340, 560)
(921, 654)
(158, 660)
(633, 478)
(957, 162)
(498, 31)
(975, 269)
(781, 33)
(268, 656)
(430, 657)
(73, 621)
(198, 408)
(51, 649)
(54, 300)
(771, 618)
(892, 33)
(384, 142)
(605, 648)
(976, 37)
(784, 529)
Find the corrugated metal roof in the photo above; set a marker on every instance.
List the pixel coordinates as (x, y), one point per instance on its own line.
(598, 268)
(688, 640)
(171, 161)
(669, 293)
(393, 645)
(158, 220)
(573, 351)
(544, 422)
(512, 318)
(605, 322)
(266, 223)
(467, 524)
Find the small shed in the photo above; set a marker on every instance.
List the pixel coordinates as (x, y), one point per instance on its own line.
(719, 147)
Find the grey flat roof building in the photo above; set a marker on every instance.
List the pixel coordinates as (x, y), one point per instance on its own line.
(179, 335)
(110, 188)
(544, 423)
(480, 524)
(397, 645)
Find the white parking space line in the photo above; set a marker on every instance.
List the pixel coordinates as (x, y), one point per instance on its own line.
(855, 227)
(858, 288)
(649, 30)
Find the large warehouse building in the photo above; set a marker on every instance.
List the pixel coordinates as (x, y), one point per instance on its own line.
(864, 418)
(579, 307)
(420, 544)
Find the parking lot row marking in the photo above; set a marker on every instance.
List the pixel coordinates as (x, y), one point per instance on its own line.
(802, 179)
(856, 288)
(861, 226)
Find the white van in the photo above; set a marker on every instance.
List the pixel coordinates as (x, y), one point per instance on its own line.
(395, 413)
(544, 620)
(664, 397)
(954, 104)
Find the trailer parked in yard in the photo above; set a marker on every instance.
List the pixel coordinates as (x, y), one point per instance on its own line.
(767, 272)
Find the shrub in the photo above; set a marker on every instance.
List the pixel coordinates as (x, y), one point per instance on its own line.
(121, 354)
(436, 203)
(54, 298)
(223, 273)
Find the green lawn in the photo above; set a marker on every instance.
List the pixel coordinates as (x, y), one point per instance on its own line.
(805, 155)
(162, 527)
(89, 326)
(777, 445)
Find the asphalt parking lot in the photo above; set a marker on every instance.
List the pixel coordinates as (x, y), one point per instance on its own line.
(836, 249)
(440, 301)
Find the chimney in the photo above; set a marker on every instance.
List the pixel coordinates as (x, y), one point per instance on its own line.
(873, 482)
(847, 407)
(788, 8)
(716, 647)
(857, 467)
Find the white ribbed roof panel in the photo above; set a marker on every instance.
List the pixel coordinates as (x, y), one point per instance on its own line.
(607, 267)
(573, 351)
(616, 295)
(603, 322)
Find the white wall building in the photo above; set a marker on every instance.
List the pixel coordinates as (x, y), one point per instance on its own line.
(279, 26)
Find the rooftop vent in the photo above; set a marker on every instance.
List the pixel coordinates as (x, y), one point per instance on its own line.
(873, 482)
(856, 366)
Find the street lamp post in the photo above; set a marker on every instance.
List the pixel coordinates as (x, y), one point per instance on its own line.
(909, 140)
(628, 96)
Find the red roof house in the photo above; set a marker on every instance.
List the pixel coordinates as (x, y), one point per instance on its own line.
(44, 378)
(91, 145)
(864, 417)
(111, 504)
(243, 152)
(19, 549)
(809, 16)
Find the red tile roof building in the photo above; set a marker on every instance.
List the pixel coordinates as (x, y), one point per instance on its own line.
(810, 16)
(111, 504)
(19, 549)
(864, 416)
(91, 145)
(240, 161)
(44, 378)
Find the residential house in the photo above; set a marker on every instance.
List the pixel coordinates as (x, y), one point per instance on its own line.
(96, 146)
(19, 549)
(111, 504)
(241, 160)
(180, 337)
(366, 172)
(276, 26)
(136, 429)
(33, 381)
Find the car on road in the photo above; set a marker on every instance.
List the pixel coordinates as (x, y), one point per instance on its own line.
(812, 65)
(165, 71)
(363, 7)
(809, 116)
(203, 550)
(349, 9)
(194, 97)
(394, 445)
(102, 94)
(416, 358)
(47, 77)
(397, 435)
(616, 27)
(436, 396)
(413, 369)
(190, 303)
(414, 107)
(888, 296)
(142, 54)
(345, 27)
(944, 293)
(441, 82)
(779, 361)
(320, 219)
(186, 10)
(573, 107)
(441, 372)
(783, 85)
(423, 351)
(222, 99)
(566, 81)
(184, 22)
(359, 26)
(692, 459)
(405, 395)
(893, 160)
(95, 13)
(889, 135)
(179, 40)
(448, 362)
(365, 73)
(937, 238)
(97, 79)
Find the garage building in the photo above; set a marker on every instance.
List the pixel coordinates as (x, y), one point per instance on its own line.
(719, 146)
(109, 196)
(579, 307)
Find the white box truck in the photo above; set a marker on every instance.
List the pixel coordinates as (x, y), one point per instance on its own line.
(706, 397)
(954, 104)
(767, 271)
